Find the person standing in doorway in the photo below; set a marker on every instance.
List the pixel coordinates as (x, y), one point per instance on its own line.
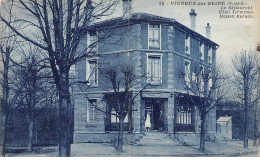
(148, 121)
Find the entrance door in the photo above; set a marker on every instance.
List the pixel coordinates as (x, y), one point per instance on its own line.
(156, 108)
(157, 117)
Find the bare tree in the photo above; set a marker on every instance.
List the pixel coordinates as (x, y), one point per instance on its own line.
(56, 27)
(32, 84)
(246, 71)
(7, 45)
(205, 89)
(121, 78)
(5, 90)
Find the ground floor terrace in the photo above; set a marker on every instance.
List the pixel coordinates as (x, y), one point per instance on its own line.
(172, 113)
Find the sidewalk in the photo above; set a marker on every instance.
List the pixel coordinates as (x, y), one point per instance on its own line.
(150, 145)
(213, 149)
(162, 145)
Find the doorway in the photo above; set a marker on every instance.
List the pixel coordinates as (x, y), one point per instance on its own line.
(155, 107)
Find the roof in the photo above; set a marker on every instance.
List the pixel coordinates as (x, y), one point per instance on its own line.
(144, 17)
(224, 119)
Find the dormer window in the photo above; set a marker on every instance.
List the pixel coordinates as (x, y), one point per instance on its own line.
(187, 44)
(92, 40)
(210, 55)
(202, 51)
(154, 36)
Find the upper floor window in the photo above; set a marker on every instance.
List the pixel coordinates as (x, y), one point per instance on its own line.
(201, 78)
(210, 78)
(187, 73)
(92, 41)
(91, 111)
(154, 68)
(201, 51)
(210, 55)
(92, 72)
(72, 71)
(154, 36)
(187, 44)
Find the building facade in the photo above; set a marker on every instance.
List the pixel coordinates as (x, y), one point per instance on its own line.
(160, 48)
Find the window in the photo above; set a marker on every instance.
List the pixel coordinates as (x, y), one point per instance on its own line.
(91, 111)
(201, 51)
(92, 41)
(194, 78)
(187, 44)
(154, 68)
(115, 119)
(187, 73)
(210, 55)
(72, 71)
(154, 36)
(210, 79)
(92, 72)
(184, 115)
(201, 78)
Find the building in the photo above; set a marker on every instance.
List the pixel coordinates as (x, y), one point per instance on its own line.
(160, 48)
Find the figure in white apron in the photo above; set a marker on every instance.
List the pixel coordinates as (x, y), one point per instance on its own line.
(148, 122)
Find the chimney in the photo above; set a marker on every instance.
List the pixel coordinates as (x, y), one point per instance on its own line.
(127, 8)
(208, 28)
(193, 15)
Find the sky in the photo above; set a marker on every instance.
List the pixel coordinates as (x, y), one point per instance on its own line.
(232, 35)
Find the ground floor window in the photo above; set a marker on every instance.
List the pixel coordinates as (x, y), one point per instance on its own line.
(115, 119)
(184, 116)
(112, 119)
(91, 111)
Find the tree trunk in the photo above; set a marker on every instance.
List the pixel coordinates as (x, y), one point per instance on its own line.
(120, 134)
(245, 113)
(256, 119)
(4, 102)
(130, 121)
(30, 134)
(202, 132)
(31, 107)
(65, 118)
(256, 134)
(245, 130)
(3, 138)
